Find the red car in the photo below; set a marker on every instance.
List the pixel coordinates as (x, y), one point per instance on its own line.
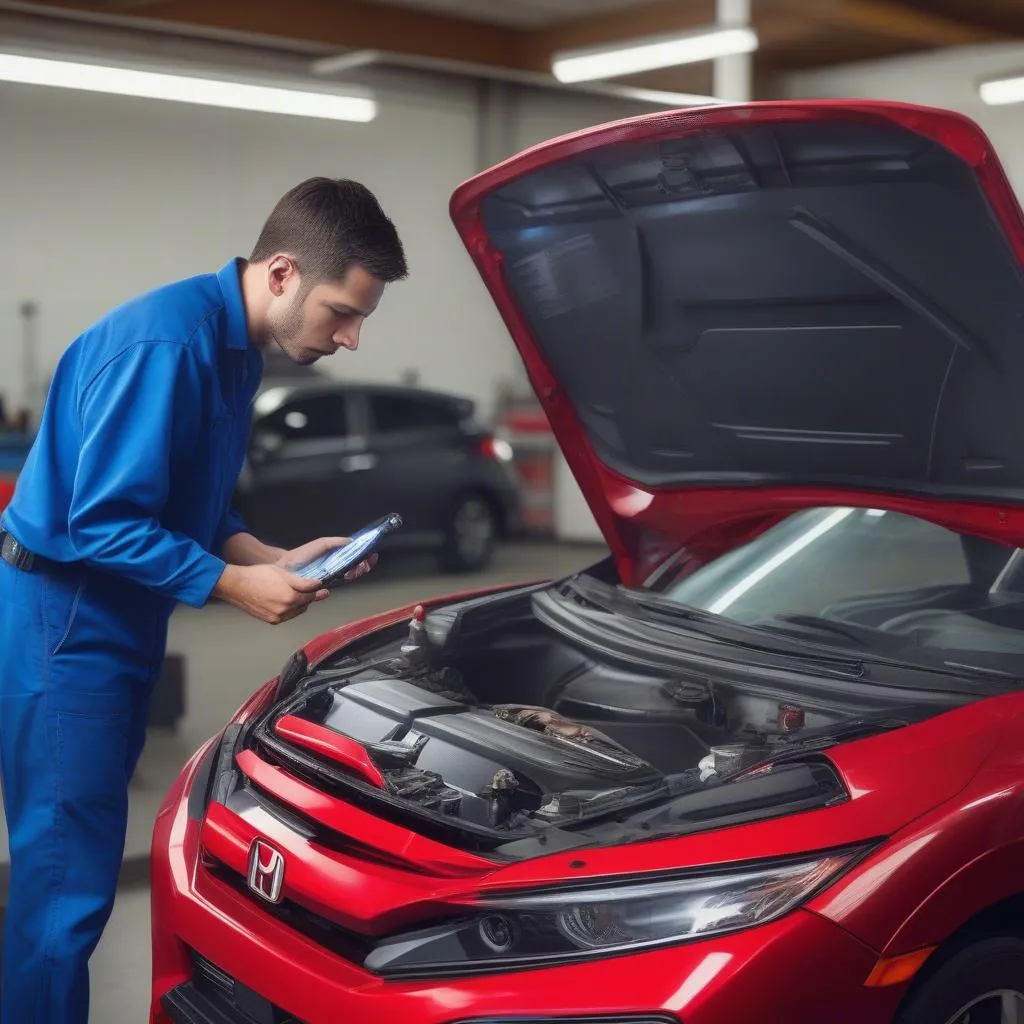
(766, 763)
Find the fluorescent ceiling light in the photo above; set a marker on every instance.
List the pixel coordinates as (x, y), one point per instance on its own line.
(648, 54)
(1003, 90)
(185, 88)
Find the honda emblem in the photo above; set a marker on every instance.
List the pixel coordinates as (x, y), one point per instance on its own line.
(266, 871)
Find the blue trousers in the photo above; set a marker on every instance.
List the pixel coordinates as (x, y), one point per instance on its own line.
(80, 652)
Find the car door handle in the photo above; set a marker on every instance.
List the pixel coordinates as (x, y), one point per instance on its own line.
(357, 463)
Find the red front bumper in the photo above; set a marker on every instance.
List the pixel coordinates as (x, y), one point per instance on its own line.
(799, 970)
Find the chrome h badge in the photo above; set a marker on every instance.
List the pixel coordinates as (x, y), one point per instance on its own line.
(266, 871)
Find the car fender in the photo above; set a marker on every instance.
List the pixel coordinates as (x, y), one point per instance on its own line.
(987, 881)
(994, 875)
(936, 874)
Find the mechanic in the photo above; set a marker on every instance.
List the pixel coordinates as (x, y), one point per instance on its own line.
(121, 511)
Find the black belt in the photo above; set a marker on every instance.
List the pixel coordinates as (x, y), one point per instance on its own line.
(14, 553)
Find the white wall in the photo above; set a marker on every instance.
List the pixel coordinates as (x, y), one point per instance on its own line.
(945, 78)
(104, 197)
(545, 115)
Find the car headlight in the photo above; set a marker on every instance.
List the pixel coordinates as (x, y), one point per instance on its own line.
(561, 925)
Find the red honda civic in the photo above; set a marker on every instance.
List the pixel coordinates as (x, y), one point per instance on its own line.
(766, 762)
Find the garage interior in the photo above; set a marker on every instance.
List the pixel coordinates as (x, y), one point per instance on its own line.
(109, 195)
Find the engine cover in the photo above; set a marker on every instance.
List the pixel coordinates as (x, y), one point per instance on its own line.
(476, 762)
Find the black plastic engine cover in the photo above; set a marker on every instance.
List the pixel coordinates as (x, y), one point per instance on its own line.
(468, 746)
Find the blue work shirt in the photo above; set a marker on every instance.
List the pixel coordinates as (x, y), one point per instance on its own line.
(142, 440)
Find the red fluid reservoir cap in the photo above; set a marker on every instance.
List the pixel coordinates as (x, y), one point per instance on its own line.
(791, 717)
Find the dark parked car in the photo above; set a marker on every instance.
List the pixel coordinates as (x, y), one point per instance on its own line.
(327, 457)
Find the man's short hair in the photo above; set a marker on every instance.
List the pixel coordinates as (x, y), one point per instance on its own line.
(329, 225)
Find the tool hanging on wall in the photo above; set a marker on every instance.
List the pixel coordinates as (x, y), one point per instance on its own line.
(32, 397)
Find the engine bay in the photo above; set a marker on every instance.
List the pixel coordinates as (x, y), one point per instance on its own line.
(487, 716)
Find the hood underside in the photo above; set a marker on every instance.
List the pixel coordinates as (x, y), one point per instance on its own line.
(750, 299)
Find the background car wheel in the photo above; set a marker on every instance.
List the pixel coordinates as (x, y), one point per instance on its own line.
(471, 534)
(983, 983)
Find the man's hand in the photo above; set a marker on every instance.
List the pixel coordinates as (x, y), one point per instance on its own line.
(315, 548)
(267, 592)
(245, 549)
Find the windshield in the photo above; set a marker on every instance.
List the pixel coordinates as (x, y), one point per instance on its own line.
(862, 577)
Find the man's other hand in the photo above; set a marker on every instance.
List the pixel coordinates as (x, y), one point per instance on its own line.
(269, 593)
(291, 560)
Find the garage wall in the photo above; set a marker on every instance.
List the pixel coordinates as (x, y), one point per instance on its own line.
(947, 78)
(545, 115)
(104, 197)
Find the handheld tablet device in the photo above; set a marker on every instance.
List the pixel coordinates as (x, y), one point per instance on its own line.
(330, 567)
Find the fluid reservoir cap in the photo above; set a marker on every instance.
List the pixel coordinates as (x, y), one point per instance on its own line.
(791, 717)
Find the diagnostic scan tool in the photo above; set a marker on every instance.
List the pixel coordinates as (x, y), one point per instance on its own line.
(330, 567)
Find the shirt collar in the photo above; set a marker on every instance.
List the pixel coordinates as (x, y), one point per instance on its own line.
(231, 287)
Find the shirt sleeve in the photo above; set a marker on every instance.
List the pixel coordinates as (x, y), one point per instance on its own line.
(136, 419)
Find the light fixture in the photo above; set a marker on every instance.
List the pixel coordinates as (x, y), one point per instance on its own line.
(638, 55)
(1003, 90)
(187, 88)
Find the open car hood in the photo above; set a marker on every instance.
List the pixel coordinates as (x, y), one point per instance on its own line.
(729, 313)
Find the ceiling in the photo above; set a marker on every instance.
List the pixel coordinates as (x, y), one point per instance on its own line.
(519, 13)
(505, 38)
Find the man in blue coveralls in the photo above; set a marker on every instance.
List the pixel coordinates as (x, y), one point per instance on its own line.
(121, 511)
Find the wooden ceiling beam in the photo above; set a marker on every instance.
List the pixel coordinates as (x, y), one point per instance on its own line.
(784, 26)
(340, 24)
(364, 25)
(893, 20)
(657, 18)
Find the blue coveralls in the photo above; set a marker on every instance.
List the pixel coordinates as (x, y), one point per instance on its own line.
(127, 492)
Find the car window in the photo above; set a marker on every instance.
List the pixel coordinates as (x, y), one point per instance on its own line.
(818, 557)
(393, 414)
(879, 571)
(312, 417)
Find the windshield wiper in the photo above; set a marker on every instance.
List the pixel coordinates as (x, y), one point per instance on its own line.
(666, 612)
(620, 599)
(821, 624)
(945, 666)
(984, 671)
(819, 653)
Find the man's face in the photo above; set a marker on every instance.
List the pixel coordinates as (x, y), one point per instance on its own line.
(329, 317)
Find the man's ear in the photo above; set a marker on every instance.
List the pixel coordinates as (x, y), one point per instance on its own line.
(281, 270)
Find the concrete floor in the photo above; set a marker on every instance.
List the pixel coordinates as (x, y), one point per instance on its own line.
(228, 655)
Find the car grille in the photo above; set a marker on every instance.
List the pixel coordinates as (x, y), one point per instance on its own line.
(209, 979)
(228, 999)
(314, 830)
(344, 943)
(326, 778)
